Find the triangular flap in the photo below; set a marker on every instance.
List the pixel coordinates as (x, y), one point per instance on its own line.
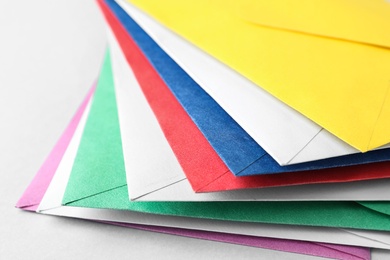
(99, 156)
(378, 206)
(330, 144)
(32, 207)
(155, 188)
(116, 198)
(34, 193)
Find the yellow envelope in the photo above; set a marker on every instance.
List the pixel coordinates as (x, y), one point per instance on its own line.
(328, 59)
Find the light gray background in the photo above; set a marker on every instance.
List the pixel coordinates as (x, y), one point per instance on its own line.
(50, 53)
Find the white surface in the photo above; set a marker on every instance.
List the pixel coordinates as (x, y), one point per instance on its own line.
(288, 136)
(154, 174)
(44, 77)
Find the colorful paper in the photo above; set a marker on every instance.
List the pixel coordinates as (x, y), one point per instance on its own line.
(236, 148)
(164, 179)
(51, 204)
(35, 191)
(288, 136)
(99, 166)
(339, 84)
(203, 167)
(333, 19)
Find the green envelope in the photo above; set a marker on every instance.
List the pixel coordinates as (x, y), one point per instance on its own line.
(98, 180)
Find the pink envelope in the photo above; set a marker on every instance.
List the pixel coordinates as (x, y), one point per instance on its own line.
(35, 191)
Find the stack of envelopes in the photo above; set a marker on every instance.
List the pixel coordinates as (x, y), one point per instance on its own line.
(261, 123)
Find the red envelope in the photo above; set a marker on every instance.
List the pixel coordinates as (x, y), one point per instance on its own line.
(204, 169)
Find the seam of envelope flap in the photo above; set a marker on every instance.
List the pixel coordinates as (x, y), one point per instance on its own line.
(108, 190)
(239, 11)
(379, 115)
(374, 208)
(305, 146)
(158, 189)
(32, 208)
(27, 205)
(249, 165)
(365, 237)
(47, 209)
(329, 246)
(335, 249)
(201, 188)
(315, 35)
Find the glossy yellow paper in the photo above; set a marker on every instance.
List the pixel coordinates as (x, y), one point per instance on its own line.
(336, 76)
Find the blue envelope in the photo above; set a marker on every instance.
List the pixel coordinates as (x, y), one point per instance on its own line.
(237, 149)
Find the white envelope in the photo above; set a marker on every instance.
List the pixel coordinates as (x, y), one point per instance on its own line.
(288, 136)
(51, 204)
(154, 174)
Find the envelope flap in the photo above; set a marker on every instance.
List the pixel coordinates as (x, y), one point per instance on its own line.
(144, 143)
(34, 193)
(327, 214)
(379, 206)
(96, 153)
(116, 198)
(358, 252)
(364, 21)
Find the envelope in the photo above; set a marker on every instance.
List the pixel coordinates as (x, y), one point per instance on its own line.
(97, 180)
(154, 174)
(34, 193)
(236, 148)
(339, 82)
(210, 176)
(288, 136)
(49, 205)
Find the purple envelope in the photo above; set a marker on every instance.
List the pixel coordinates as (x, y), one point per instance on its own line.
(35, 191)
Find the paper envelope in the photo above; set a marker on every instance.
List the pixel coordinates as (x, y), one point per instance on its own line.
(288, 136)
(93, 186)
(154, 174)
(204, 169)
(237, 149)
(52, 201)
(338, 81)
(51, 204)
(33, 195)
